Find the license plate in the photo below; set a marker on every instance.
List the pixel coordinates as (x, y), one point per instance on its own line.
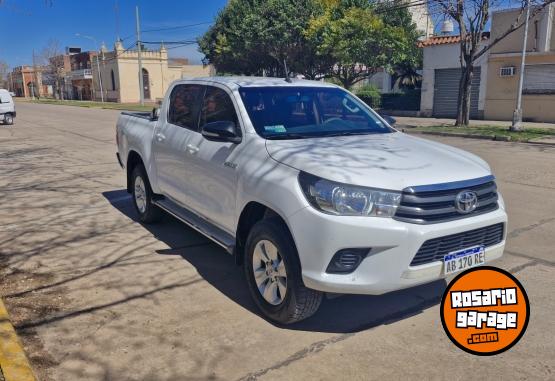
(464, 259)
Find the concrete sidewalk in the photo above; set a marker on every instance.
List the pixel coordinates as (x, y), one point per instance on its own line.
(406, 121)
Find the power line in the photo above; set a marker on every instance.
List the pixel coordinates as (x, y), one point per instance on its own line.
(119, 54)
(177, 27)
(417, 3)
(170, 28)
(170, 42)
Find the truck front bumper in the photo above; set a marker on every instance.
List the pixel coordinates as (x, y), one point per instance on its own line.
(393, 246)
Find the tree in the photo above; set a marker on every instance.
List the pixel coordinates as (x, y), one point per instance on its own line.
(4, 72)
(471, 17)
(342, 39)
(405, 75)
(358, 40)
(53, 70)
(256, 37)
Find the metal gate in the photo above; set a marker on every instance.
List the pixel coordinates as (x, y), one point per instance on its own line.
(446, 93)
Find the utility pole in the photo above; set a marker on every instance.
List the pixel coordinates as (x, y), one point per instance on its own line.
(35, 77)
(141, 85)
(99, 78)
(517, 114)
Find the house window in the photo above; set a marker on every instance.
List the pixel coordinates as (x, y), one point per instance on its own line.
(539, 79)
(113, 79)
(507, 71)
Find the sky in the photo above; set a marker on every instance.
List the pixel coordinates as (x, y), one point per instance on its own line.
(30, 24)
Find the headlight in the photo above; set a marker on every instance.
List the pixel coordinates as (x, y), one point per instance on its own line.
(348, 200)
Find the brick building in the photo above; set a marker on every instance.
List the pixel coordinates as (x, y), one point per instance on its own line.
(27, 82)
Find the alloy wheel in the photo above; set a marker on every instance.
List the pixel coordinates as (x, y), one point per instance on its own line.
(140, 194)
(269, 271)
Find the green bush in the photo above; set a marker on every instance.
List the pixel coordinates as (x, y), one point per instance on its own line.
(370, 95)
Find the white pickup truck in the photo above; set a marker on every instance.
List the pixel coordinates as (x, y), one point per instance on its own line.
(309, 189)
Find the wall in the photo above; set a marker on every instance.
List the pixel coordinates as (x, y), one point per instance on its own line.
(552, 16)
(191, 71)
(125, 67)
(421, 17)
(445, 56)
(540, 32)
(502, 91)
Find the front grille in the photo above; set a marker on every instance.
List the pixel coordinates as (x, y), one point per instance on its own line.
(436, 203)
(435, 249)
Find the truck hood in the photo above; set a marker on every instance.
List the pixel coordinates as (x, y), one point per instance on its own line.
(389, 161)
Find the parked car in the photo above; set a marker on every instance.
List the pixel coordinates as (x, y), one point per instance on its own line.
(309, 189)
(7, 107)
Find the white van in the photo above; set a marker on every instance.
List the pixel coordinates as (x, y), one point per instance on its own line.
(7, 107)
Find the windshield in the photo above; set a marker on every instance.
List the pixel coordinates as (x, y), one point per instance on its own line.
(307, 112)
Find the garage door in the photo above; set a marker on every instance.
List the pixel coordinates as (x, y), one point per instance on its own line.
(446, 93)
(539, 79)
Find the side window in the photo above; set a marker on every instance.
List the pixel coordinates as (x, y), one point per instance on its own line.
(217, 107)
(184, 106)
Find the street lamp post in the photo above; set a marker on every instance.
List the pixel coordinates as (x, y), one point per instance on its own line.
(97, 64)
(517, 114)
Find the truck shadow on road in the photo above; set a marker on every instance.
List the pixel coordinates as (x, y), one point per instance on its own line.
(342, 314)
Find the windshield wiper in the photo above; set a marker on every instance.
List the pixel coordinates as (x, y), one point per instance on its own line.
(348, 133)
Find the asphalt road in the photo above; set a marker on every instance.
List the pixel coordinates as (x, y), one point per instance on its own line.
(98, 296)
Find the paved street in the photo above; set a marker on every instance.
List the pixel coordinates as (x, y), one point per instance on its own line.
(98, 296)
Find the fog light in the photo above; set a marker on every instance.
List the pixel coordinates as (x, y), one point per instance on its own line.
(346, 261)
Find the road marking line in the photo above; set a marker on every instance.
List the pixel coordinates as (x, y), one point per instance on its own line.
(14, 363)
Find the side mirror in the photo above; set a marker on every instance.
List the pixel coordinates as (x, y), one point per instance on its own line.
(155, 114)
(221, 131)
(389, 119)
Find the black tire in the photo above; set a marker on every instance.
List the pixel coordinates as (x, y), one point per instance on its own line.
(8, 119)
(299, 302)
(150, 213)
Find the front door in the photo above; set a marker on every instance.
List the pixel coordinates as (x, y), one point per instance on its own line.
(171, 139)
(212, 182)
(146, 84)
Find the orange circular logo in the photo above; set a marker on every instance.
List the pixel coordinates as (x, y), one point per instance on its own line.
(485, 311)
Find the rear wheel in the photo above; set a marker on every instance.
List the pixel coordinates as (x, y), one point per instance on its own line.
(273, 274)
(8, 119)
(142, 196)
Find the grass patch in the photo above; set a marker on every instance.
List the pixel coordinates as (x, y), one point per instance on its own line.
(91, 104)
(521, 136)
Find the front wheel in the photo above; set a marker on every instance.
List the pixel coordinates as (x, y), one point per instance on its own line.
(273, 274)
(8, 119)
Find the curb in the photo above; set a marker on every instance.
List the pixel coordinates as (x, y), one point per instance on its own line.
(13, 361)
(477, 136)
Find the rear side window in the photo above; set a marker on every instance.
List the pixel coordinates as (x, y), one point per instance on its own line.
(185, 103)
(217, 107)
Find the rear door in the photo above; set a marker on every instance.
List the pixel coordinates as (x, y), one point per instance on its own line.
(6, 102)
(171, 140)
(213, 175)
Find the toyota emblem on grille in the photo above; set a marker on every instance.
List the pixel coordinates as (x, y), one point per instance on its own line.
(466, 202)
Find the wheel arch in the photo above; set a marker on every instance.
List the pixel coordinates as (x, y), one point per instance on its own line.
(133, 159)
(253, 212)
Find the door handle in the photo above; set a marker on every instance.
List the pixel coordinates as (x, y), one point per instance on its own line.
(192, 149)
(160, 137)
